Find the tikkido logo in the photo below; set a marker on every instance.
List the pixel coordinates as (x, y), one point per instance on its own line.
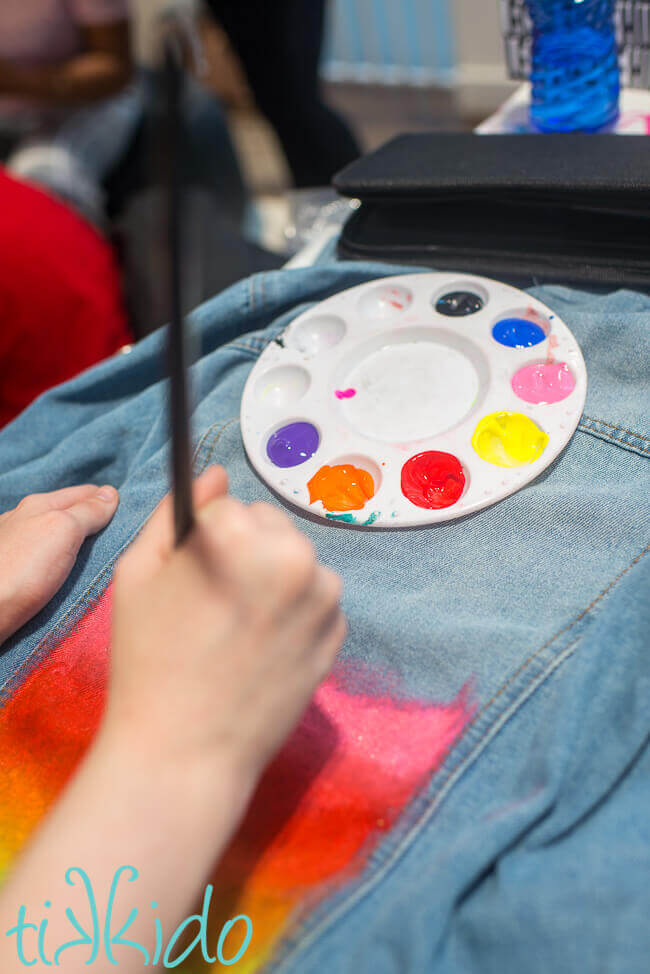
(31, 939)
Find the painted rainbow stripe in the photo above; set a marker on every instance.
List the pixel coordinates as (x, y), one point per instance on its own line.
(355, 761)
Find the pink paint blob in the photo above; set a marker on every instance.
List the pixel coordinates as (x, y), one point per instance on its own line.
(544, 383)
(345, 393)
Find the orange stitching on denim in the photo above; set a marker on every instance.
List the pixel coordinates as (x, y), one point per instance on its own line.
(199, 445)
(613, 427)
(224, 427)
(644, 451)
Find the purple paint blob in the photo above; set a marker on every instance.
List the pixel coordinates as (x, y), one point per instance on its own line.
(293, 444)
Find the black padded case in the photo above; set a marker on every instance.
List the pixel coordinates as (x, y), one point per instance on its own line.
(548, 207)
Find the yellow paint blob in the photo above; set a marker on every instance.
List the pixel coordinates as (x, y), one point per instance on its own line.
(341, 488)
(509, 439)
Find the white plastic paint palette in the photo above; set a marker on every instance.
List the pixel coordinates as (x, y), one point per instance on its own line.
(412, 400)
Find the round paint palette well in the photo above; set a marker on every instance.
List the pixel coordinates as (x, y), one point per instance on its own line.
(380, 410)
(293, 444)
(413, 385)
(457, 304)
(543, 383)
(521, 329)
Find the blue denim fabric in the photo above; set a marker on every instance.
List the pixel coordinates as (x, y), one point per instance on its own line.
(529, 848)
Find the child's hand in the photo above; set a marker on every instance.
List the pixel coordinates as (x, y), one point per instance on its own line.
(219, 645)
(39, 541)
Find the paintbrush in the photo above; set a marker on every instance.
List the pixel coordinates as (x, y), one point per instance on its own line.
(171, 81)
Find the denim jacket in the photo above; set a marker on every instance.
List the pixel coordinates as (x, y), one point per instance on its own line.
(469, 790)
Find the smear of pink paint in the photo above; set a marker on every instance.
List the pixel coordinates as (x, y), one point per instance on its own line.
(345, 393)
(552, 345)
(397, 301)
(342, 778)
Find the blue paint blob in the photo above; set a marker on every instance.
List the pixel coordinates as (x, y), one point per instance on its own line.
(518, 333)
(293, 444)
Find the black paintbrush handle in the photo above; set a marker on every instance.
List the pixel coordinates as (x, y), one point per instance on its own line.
(172, 142)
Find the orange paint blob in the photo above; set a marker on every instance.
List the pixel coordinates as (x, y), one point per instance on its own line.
(341, 488)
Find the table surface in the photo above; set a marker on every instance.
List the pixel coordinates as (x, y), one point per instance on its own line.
(513, 117)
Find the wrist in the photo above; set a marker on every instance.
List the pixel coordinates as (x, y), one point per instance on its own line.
(203, 796)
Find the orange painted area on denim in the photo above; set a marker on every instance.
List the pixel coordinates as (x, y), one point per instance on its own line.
(46, 726)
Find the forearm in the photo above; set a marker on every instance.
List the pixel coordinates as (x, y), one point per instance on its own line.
(127, 806)
(85, 78)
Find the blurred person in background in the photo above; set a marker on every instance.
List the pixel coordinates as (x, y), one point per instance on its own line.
(61, 307)
(66, 110)
(279, 45)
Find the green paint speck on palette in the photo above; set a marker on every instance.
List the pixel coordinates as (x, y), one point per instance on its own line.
(350, 519)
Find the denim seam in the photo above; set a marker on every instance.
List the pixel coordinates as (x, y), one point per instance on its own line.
(384, 863)
(96, 589)
(251, 349)
(220, 429)
(388, 853)
(557, 635)
(200, 444)
(608, 438)
(254, 281)
(592, 419)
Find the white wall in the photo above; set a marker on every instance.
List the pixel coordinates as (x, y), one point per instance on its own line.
(145, 13)
(481, 72)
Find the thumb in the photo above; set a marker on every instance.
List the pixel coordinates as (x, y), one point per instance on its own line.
(94, 513)
(212, 483)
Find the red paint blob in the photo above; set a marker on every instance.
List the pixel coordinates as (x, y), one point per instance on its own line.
(433, 480)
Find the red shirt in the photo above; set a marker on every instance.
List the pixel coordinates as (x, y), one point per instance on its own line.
(61, 307)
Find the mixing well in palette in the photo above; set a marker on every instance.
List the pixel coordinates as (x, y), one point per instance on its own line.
(407, 391)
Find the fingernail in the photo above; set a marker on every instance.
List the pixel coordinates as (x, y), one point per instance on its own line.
(106, 493)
